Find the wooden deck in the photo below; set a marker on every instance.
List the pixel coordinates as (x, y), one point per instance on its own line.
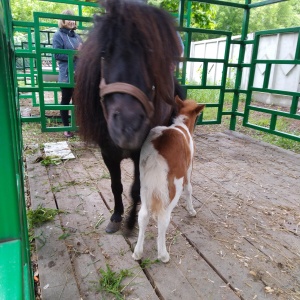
(244, 242)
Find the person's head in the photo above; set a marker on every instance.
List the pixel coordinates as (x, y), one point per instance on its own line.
(69, 24)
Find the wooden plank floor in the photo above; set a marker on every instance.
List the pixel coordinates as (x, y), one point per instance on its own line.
(244, 242)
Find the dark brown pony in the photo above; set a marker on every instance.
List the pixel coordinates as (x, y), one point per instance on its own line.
(131, 50)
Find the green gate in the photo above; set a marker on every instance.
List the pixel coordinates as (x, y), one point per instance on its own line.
(16, 280)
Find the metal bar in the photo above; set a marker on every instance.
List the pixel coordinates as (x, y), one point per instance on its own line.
(181, 13)
(275, 132)
(277, 112)
(43, 15)
(238, 42)
(74, 2)
(276, 31)
(272, 91)
(206, 31)
(204, 60)
(297, 54)
(273, 122)
(294, 105)
(223, 79)
(267, 76)
(263, 3)
(277, 61)
(204, 74)
(239, 72)
(251, 79)
(223, 3)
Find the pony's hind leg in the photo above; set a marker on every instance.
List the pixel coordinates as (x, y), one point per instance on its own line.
(163, 221)
(143, 220)
(187, 195)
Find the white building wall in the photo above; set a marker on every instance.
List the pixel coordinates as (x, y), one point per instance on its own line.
(276, 46)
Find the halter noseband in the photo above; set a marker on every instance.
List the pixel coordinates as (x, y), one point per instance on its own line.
(126, 88)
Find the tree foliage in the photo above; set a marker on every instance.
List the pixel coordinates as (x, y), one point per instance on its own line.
(202, 14)
(23, 10)
(280, 15)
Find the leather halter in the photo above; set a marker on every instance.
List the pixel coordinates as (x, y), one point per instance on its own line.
(126, 88)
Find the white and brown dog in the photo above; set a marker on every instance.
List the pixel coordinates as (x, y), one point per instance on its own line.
(165, 172)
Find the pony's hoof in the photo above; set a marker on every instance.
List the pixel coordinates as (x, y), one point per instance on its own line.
(136, 256)
(192, 213)
(164, 257)
(113, 227)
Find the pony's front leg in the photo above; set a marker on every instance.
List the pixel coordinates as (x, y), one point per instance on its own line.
(114, 169)
(135, 191)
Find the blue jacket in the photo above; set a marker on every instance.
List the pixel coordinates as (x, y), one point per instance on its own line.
(65, 39)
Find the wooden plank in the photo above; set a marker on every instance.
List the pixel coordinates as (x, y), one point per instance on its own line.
(191, 275)
(271, 205)
(235, 245)
(56, 276)
(230, 217)
(84, 197)
(254, 169)
(186, 275)
(186, 272)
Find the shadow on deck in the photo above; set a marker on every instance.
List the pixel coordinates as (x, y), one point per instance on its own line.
(244, 242)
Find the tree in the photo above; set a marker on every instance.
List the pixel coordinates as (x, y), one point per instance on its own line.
(23, 10)
(202, 14)
(280, 15)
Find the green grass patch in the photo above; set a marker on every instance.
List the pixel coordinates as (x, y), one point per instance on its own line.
(36, 217)
(51, 160)
(111, 282)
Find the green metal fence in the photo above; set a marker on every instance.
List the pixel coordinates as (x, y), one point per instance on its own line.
(39, 50)
(16, 280)
(272, 114)
(238, 108)
(28, 71)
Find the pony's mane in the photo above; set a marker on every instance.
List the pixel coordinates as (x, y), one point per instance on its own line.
(131, 30)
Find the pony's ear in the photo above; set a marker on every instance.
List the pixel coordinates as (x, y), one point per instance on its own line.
(199, 108)
(179, 102)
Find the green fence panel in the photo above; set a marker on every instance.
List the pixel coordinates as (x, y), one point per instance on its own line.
(272, 114)
(41, 50)
(16, 280)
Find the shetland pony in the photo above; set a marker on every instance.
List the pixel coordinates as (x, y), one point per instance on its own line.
(125, 86)
(165, 171)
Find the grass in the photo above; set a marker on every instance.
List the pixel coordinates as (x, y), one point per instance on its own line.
(39, 216)
(51, 160)
(285, 125)
(111, 281)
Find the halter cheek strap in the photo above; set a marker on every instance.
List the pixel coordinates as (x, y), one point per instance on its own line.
(126, 88)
